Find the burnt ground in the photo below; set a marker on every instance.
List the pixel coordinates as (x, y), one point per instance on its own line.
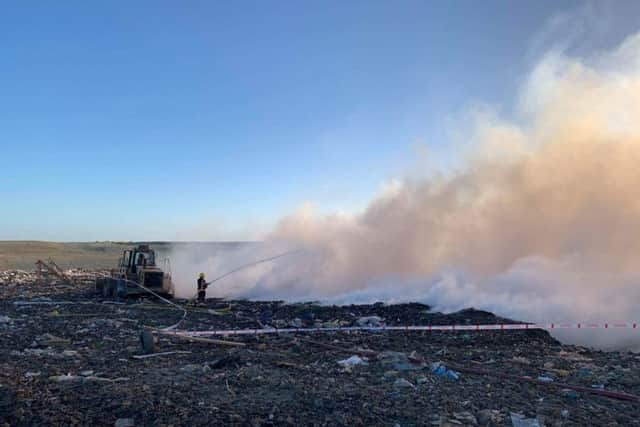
(73, 363)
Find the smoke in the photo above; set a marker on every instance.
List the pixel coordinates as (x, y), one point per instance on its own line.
(540, 222)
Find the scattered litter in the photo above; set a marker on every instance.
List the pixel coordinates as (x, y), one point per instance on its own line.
(124, 422)
(440, 369)
(422, 380)
(296, 323)
(68, 378)
(563, 373)
(466, 417)
(453, 375)
(489, 417)
(519, 420)
(191, 369)
(164, 353)
(397, 361)
(82, 363)
(370, 321)
(521, 360)
(401, 383)
(352, 361)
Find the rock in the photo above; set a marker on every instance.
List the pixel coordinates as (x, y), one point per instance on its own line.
(5, 319)
(422, 380)
(124, 422)
(32, 374)
(296, 323)
(86, 373)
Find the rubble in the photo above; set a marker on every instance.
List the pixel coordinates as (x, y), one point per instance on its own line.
(68, 357)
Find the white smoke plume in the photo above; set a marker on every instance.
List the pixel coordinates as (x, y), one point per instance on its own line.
(541, 222)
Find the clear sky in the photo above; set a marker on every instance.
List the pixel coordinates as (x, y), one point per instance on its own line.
(154, 120)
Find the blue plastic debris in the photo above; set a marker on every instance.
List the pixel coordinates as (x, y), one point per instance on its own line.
(440, 369)
(453, 375)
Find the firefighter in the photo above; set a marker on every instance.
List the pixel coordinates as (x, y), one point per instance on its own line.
(202, 288)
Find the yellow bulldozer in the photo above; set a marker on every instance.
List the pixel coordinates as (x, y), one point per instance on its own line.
(137, 270)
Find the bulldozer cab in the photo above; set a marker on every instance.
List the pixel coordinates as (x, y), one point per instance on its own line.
(139, 258)
(139, 265)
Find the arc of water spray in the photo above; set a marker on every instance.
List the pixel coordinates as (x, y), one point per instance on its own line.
(251, 264)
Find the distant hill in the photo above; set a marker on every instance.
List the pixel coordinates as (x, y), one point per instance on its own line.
(23, 254)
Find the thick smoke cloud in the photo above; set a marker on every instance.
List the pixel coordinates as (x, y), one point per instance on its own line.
(541, 222)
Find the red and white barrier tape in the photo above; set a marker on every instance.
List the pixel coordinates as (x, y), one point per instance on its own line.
(446, 328)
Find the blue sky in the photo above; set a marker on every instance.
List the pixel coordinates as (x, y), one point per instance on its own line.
(210, 120)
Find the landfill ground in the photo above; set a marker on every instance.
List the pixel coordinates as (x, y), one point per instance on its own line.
(68, 357)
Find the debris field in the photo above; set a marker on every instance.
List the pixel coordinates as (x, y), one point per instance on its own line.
(69, 357)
